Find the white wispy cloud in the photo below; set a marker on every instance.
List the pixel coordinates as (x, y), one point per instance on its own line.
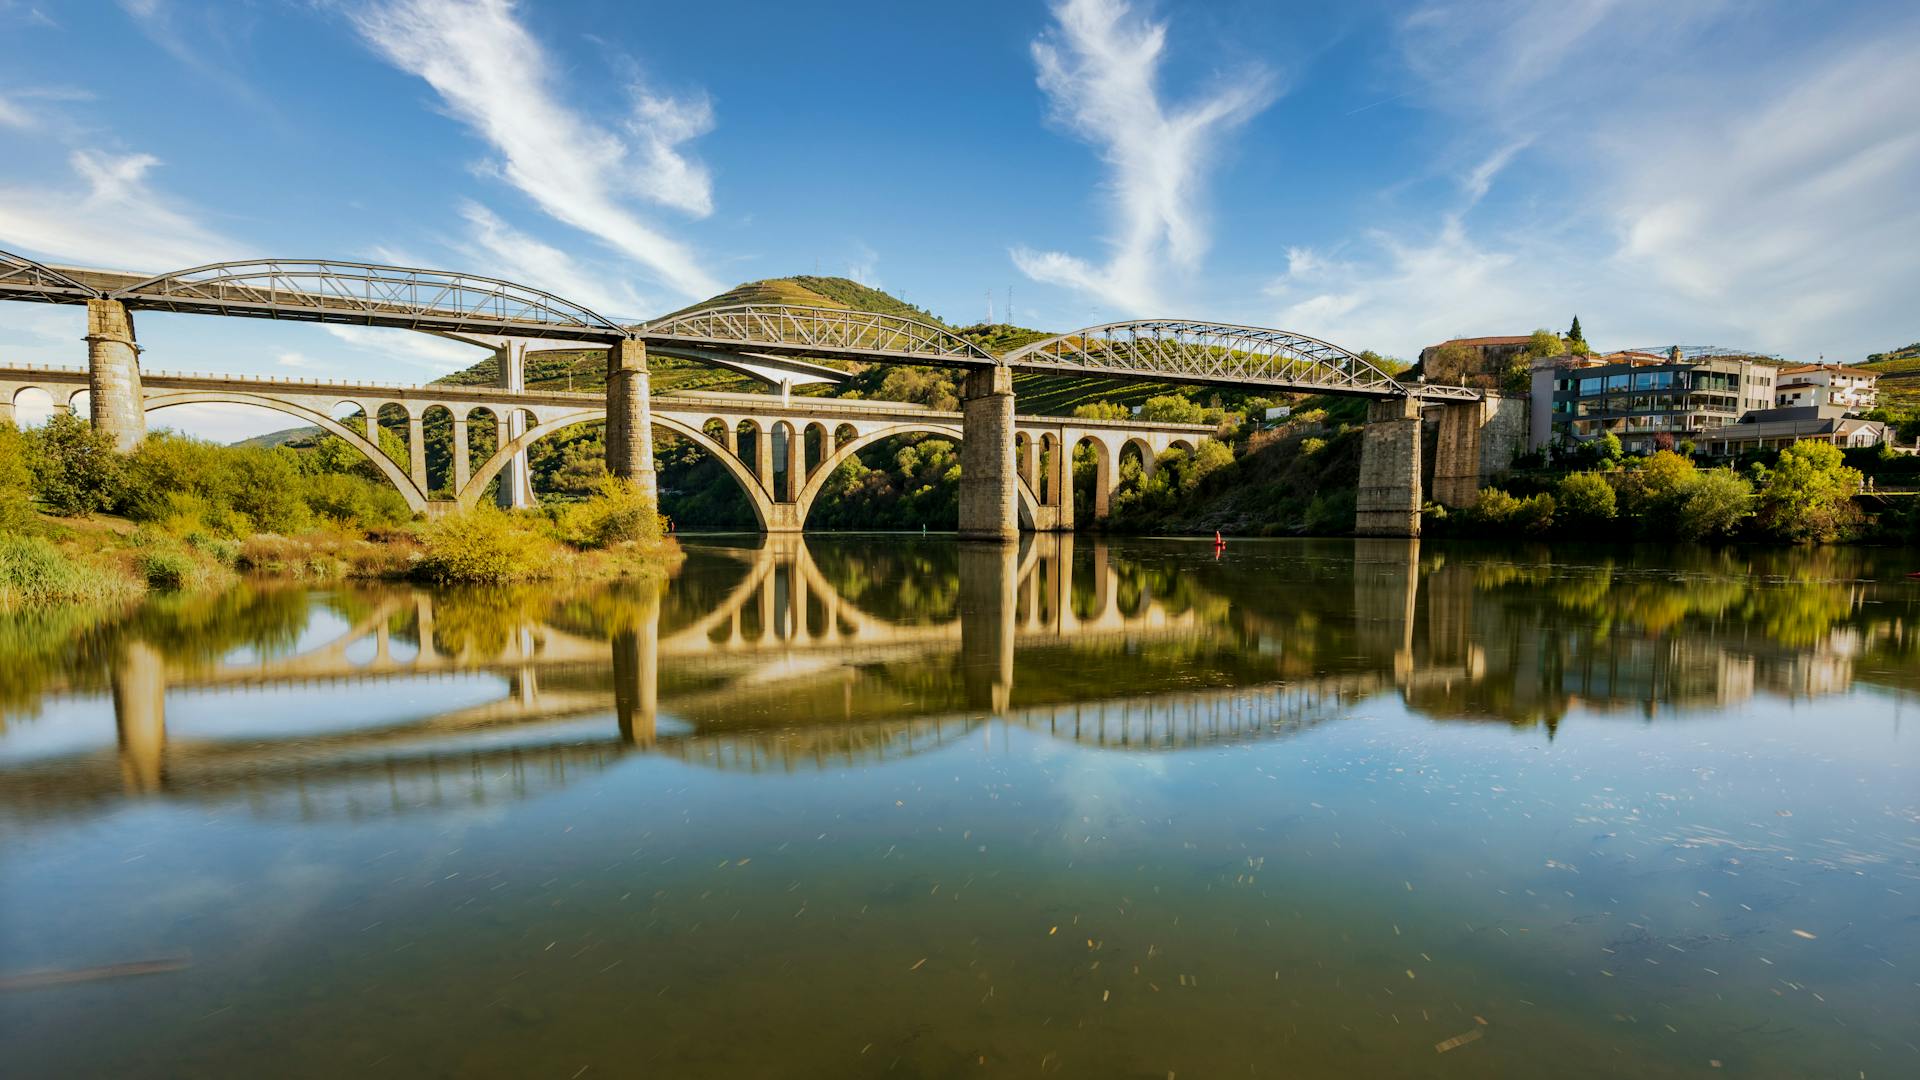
(426, 351)
(14, 116)
(114, 218)
(1709, 201)
(493, 75)
(1099, 66)
(503, 251)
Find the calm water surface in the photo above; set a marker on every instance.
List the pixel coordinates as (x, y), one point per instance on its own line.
(904, 807)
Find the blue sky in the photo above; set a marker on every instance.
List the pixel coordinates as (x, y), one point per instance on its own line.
(1384, 175)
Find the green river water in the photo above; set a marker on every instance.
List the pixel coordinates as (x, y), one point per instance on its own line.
(893, 806)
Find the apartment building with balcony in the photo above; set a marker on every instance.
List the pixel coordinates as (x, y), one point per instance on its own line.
(1641, 396)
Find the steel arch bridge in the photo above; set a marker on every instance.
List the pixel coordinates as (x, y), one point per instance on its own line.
(1187, 350)
(794, 330)
(447, 302)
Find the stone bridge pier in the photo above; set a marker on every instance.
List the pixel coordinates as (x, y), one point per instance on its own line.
(113, 370)
(989, 479)
(1476, 439)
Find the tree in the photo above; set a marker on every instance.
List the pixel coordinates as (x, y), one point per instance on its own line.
(1573, 332)
(76, 468)
(1807, 497)
(1716, 502)
(1172, 409)
(1585, 499)
(16, 479)
(1101, 410)
(923, 386)
(1653, 492)
(1453, 364)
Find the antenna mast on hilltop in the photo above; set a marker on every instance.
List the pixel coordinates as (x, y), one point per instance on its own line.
(1009, 305)
(989, 307)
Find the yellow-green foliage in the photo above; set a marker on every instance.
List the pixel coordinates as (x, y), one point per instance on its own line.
(187, 485)
(484, 546)
(618, 513)
(1101, 410)
(16, 480)
(34, 572)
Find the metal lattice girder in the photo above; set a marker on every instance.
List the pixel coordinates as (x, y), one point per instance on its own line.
(23, 279)
(813, 331)
(1179, 350)
(320, 290)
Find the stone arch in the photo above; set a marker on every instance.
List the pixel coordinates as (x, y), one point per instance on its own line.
(34, 400)
(416, 499)
(817, 445)
(1047, 463)
(788, 461)
(1023, 456)
(80, 402)
(432, 436)
(1105, 466)
(1027, 501)
(757, 498)
(1183, 445)
(843, 435)
(1148, 459)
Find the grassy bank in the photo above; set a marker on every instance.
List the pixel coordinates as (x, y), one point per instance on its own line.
(82, 523)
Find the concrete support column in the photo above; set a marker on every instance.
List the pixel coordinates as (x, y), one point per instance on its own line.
(417, 452)
(630, 416)
(731, 440)
(373, 424)
(113, 374)
(989, 484)
(462, 456)
(6, 410)
(140, 713)
(1388, 500)
(988, 575)
(763, 460)
(516, 484)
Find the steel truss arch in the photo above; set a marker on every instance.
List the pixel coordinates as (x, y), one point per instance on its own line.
(370, 294)
(1195, 351)
(24, 278)
(794, 330)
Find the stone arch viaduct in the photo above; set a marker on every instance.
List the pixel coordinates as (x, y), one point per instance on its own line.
(1015, 469)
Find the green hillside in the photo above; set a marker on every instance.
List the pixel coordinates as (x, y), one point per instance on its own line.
(585, 370)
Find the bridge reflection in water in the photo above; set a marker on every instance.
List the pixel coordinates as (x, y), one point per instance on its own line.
(778, 654)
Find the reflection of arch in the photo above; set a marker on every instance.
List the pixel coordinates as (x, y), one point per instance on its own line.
(416, 499)
(818, 480)
(762, 508)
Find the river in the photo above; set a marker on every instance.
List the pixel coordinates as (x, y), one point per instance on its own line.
(893, 806)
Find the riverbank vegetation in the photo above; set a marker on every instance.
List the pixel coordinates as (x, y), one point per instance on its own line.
(81, 522)
(1803, 494)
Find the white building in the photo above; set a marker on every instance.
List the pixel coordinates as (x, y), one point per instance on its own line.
(1825, 384)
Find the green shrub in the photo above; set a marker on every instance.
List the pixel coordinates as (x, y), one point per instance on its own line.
(1716, 502)
(76, 469)
(16, 480)
(1585, 499)
(483, 546)
(169, 570)
(618, 513)
(1807, 497)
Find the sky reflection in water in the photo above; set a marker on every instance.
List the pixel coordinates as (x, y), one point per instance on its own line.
(887, 806)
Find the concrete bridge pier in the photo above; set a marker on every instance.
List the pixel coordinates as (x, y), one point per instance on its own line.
(1388, 500)
(516, 483)
(630, 417)
(1476, 439)
(989, 478)
(113, 374)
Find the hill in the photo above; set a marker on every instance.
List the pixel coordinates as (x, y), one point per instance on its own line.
(1042, 394)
